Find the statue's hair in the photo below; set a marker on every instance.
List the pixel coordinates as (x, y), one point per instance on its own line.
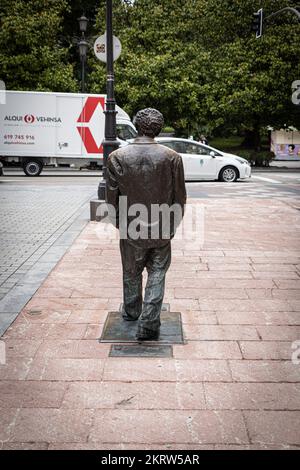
(149, 122)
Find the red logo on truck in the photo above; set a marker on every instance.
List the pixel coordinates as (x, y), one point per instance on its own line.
(29, 118)
(86, 115)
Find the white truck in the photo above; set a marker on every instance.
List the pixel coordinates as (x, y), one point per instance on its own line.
(40, 128)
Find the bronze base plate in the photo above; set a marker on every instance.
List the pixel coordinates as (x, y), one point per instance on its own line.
(118, 330)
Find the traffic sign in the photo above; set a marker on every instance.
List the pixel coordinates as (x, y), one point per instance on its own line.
(100, 48)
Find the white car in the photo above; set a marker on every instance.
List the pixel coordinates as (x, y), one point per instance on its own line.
(202, 162)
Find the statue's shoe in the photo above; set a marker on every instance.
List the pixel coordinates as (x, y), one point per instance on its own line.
(128, 317)
(144, 334)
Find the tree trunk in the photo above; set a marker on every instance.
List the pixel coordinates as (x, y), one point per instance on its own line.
(252, 138)
(256, 137)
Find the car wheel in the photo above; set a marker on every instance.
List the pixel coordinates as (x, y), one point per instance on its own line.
(33, 167)
(229, 174)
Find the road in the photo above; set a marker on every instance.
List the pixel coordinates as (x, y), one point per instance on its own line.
(263, 183)
(40, 217)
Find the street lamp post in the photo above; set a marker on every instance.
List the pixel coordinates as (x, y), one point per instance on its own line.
(83, 47)
(110, 142)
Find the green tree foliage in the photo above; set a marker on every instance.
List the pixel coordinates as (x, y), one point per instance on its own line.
(248, 83)
(159, 62)
(200, 63)
(31, 57)
(196, 60)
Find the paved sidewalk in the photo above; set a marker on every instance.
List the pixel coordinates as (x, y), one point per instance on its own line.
(36, 230)
(233, 385)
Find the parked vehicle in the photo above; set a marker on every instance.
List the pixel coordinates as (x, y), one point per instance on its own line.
(202, 162)
(55, 128)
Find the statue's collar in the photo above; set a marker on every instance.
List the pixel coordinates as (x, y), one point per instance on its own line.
(143, 139)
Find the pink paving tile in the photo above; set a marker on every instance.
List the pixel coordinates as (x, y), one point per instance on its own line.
(88, 316)
(256, 447)
(288, 294)
(44, 315)
(234, 260)
(279, 333)
(189, 370)
(66, 369)
(275, 275)
(244, 305)
(135, 396)
(178, 274)
(245, 283)
(126, 446)
(93, 331)
(220, 332)
(287, 284)
(207, 350)
(114, 304)
(52, 425)
(67, 331)
(294, 305)
(275, 259)
(273, 267)
(229, 267)
(252, 396)
(8, 418)
(100, 292)
(16, 368)
(266, 349)
(270, 427)
(25, 446)
(73, 349)
(205, 294)
(53, 292)
(230, 275)
(260, 293)
(29, 394)
(264, 371)
(168, 426)
(194, 317)
(39, 303)
(21, 347)
(258, 318)
(27, 330)
(176, 305)
(139, 370)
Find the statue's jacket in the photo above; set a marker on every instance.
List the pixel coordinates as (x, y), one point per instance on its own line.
(152, 175)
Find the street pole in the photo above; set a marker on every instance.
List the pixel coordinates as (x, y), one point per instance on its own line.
(83, 47)
(110, 142)
(82, 75)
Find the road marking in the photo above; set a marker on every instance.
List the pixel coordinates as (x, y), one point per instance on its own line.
(269, 180)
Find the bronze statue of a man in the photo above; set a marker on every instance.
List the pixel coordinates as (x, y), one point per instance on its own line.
(150, 177)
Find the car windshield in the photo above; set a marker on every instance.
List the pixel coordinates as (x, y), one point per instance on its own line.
(180, 146)
(125, 132)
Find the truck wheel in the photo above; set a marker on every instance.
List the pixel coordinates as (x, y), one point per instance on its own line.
(228, 174)
(33, 167)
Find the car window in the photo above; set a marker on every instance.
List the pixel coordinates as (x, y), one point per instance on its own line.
(125, 132)
(187, 147)
(174, 145)
(194, 149)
